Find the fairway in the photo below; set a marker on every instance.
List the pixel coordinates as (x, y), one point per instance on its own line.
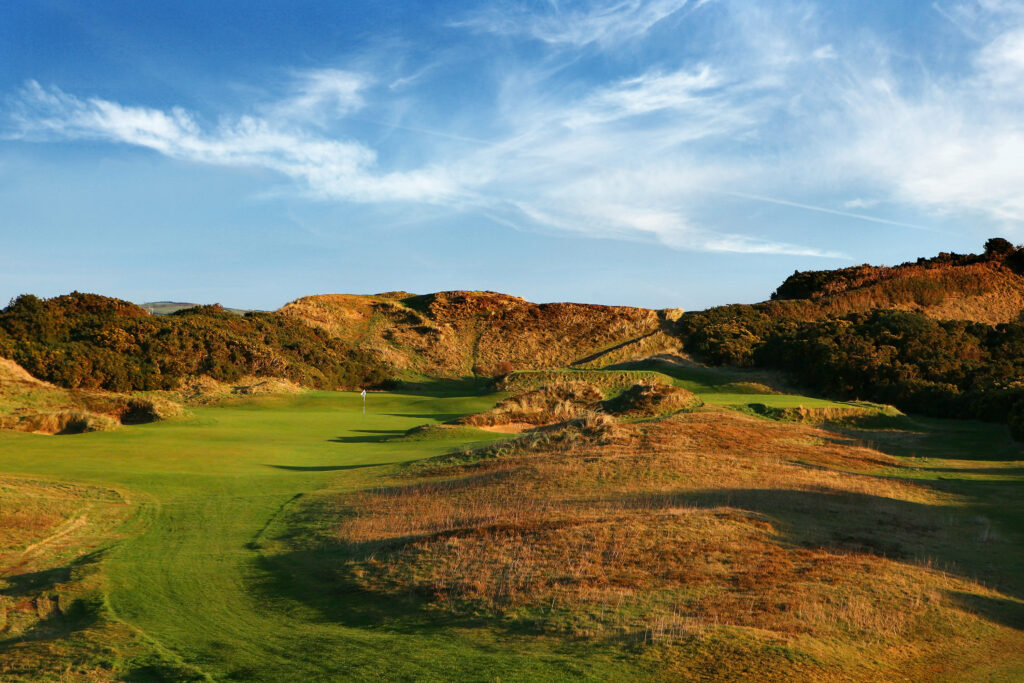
(194, 581)
(204, 583)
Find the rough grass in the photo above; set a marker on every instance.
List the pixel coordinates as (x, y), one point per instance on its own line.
(571, 400)
(862, 412)
(546, 405)
(275, 540)
(690, 530)
(54, 624)
(610, 382)
(30, 405)
(483, 333)
(986, 291)
(202, 390)
(652, 400)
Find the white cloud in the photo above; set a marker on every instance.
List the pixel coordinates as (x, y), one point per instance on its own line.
(322, 95)
(649, 92)
(953, 144)
(825, 52)
(777, 114)
(859, 203)
(336, 169)
(577, 24)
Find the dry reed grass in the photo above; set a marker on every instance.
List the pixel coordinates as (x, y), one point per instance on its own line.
(652, 400)
(669, 529)
(550, 404)
(484, 333)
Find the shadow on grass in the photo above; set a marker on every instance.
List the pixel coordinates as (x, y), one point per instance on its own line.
(316, 578)
(440, 417)
(445, 388)
(996, 499)
(999, 610)
(370, 436)
(28, 592)
(31, 583)
(1001, 471)
(324, 468)
(923, 437)
(926, 535)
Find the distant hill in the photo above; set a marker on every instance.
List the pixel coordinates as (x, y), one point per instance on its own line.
(940, 336)
(485, 333)
(168, 307)
(94, 342)
(986, 287)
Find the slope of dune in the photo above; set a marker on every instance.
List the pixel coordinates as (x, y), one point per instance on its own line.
(464, 332)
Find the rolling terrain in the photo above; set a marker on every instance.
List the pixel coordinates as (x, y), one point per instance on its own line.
(453, 334)
(281, 538)
(535, 491)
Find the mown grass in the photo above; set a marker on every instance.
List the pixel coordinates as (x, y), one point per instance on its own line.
(278, 539)
(198, 587)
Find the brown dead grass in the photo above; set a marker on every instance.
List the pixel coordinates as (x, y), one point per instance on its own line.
(203, 390)
(53, 623)
(986, 291)
(673, 530)
(653, 399)
(550, 404)
(485, 333)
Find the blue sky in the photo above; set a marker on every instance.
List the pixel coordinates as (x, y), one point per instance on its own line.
(656, 153)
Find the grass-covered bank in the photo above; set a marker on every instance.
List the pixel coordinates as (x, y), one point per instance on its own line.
(197, 591)
(279, 538)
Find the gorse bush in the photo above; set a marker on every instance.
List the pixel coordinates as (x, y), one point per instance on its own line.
(950, 368)
(836, 332)
(91, 341)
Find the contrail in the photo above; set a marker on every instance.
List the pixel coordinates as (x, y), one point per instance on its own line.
(822, 209)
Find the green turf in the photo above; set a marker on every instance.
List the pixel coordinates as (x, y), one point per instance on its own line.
(200, 579)
(195, 581)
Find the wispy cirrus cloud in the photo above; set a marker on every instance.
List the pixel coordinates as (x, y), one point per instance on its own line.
(953, 143)
(331, 168)
(321, 95)
(647, 154)
(649, 92)
(576, 24)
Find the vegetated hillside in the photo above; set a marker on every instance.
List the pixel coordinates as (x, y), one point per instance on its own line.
(987, 287)
(721, 546)
(30, 405)
(462, 332)
(827, 341)
(168, 307)
(91, 341)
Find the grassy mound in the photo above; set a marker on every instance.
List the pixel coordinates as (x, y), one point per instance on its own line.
(441, 432)
(610, 382)
(549, 404)
(729, 546)
(854, 413)
(30, 405)
(652, 400)
(202, 390)
(461, 333)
